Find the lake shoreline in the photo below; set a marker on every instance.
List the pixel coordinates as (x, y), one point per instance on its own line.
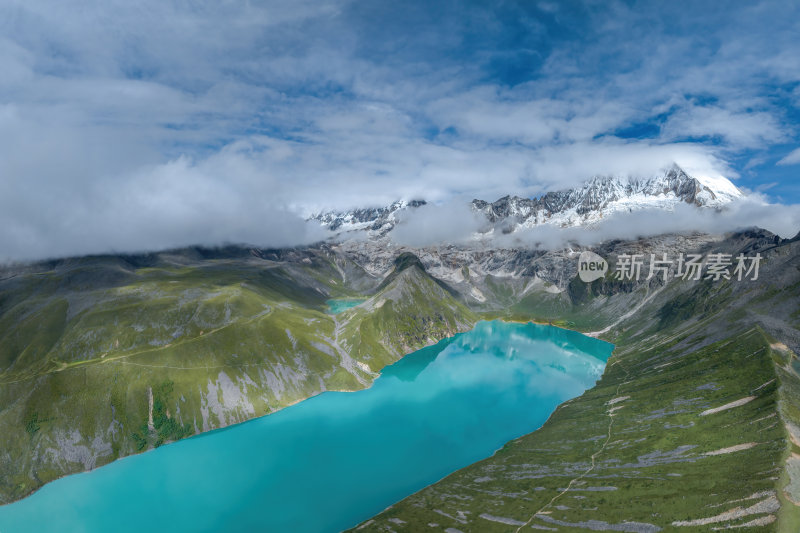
(486, 327)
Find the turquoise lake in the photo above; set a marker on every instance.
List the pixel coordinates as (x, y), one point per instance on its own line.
(337, 306)
(336, 459)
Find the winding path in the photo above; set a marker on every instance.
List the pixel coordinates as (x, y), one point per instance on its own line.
(610, 413)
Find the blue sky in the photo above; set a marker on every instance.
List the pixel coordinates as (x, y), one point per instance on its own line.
(155, 123)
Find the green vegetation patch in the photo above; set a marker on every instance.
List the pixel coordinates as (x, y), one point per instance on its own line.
(656, 450)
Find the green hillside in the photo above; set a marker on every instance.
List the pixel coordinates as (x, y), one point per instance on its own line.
(694, 425)
(105, 357)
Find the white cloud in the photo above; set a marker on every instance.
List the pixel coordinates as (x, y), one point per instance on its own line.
(155, 124)
(741, 129)
(792, 158)
(178, 203)
(453, 226)
(432, 224)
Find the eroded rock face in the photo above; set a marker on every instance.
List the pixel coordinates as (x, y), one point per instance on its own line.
(477, 271)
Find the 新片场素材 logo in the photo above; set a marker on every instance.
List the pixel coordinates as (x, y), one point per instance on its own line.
(591, 266)
(714, 266)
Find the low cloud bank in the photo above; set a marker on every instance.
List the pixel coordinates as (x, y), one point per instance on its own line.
(180, 203)
(237, 195)
(431, 225)
(452, 225)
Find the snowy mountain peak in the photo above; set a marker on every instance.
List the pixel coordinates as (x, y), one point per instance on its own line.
(602, 196)
(375, 219)
(598, 198)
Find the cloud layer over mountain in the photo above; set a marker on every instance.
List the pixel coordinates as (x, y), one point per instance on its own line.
(430, 225)
(132, 126)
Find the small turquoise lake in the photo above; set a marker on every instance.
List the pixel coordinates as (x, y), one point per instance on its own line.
(337, 306)
(334, 460)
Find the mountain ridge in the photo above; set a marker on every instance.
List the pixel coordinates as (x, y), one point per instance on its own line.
(597, 198)
(219, 340)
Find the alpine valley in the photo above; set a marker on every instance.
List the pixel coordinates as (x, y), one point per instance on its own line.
(693, 426)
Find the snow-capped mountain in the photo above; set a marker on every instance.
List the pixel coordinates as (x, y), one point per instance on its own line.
(378, 220)
(600, 197)
(596, 199)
